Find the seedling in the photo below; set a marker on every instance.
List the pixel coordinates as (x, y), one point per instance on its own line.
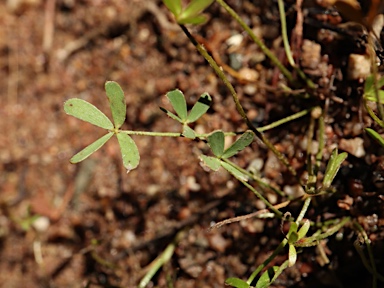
(191, 14)
(89, 113)
(177, 99)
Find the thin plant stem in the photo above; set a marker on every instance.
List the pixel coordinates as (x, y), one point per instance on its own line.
(267, 261)
(373, 115)
(168, 134)
(321, 139)
(287, 47)
(258, 195)
(153, 134)
(284, 120)
(374, 72)
(102, 261)
(373, 269)
(303, 210)
(246, 184)
(257, 179)
(310, 187)
(163, 258)
(239, 108)
(263, 48)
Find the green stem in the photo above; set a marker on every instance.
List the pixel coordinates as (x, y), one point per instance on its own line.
(160, 260)
(310, 187)
(258, 195)
(168, 134)
(287, 48)
(153, 134)
(267, 261)
(262, 46)
(373, 115)
(321, 138)
(284, 33)
(303, 210)
(372, 54)
(257, 179)
(372, 269)
(239, 108)
(284, 120)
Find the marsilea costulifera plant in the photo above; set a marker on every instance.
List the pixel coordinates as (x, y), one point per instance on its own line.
(296, 238)
(85, 111)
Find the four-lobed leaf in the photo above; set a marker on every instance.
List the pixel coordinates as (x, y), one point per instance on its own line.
(179, 104)
(216, 142)
(85, 111)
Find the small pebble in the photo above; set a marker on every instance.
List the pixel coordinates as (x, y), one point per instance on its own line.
(41, 224)
(359, 67)
(353, 146)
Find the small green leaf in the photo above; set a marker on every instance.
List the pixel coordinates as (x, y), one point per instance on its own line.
(372, 96)
(292, 228)
(174, 6)
(129, 151)
(188, 132)
(236, 282)
(90, 149)
(369, 89)
(212, 162)
(171, 115)
(304, 229)
(176, 97)
(195, 20)
(238, 174)
(293, 237)
(216, 142)
(376, 136)
(333, 167)
(194, 8)
(117, 102)
(239, 144)
(200, 107)
(368, 86)
(266, 278)
(85, 111)
(292, 255)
